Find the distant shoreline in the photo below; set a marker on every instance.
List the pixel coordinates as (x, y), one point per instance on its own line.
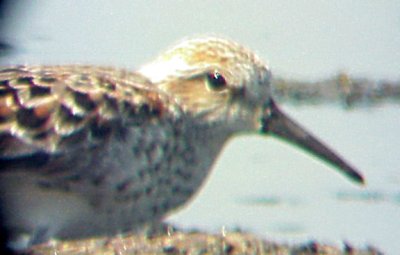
(342, 88)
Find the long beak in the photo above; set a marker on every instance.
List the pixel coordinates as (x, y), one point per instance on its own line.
(276, 123)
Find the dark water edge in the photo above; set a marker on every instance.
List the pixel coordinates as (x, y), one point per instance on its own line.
(350, 92)
(194, 242)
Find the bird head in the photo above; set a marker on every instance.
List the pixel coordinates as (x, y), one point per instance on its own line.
(214, 79)
(222, 83)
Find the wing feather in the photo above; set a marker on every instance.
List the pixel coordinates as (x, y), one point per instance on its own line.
(52, 110)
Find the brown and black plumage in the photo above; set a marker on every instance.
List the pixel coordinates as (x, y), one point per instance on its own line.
(89, 151)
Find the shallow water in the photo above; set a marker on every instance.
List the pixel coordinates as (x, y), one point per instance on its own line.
(267, 187)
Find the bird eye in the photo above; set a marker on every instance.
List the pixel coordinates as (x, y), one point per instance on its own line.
(216, 81)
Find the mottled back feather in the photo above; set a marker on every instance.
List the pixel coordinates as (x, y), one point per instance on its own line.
(46, 111)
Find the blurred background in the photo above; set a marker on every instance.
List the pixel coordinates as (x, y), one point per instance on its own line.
(260, 184)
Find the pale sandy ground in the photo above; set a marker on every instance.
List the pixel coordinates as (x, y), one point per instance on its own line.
(192, 243)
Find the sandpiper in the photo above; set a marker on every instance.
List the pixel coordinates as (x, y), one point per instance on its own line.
(89, 151)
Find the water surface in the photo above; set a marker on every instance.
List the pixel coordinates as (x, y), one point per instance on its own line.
(265, 186)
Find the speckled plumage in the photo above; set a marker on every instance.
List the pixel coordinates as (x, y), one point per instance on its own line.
(88, 151)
